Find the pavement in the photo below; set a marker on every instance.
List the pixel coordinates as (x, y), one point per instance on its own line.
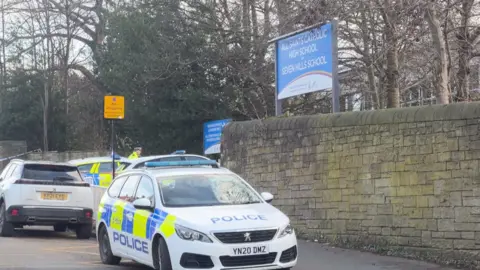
(41, 248)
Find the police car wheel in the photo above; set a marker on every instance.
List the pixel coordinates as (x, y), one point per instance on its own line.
(106, 254)
(6, 228)
(162, 256)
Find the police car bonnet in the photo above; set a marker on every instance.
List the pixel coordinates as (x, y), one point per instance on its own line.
(236, 216)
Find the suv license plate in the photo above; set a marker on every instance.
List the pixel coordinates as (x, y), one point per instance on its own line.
(54, 196)
(250, 250)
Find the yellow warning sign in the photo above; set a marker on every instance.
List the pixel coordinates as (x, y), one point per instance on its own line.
(114, 107)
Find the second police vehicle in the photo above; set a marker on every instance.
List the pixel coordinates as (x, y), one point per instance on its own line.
(179, 155)
(192, 215)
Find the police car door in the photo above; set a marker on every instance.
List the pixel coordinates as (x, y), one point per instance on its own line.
(142, 244)
(123, 212)
(111, 211)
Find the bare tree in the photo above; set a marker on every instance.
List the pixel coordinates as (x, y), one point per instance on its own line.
(467, 39)
(441, 76)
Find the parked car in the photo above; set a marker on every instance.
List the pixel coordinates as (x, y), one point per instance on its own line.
(192, 215)
(98, 170)
(45, 193)
(179, 155)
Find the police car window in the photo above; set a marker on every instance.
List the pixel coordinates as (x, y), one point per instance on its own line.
(116, 186)
(122, 166)
(85, 168)
(129, 188)
(205, 190)
(145, 189)
(105, 167)
(139, 165)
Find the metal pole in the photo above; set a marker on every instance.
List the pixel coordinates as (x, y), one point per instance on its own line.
(278, 103)
(113, 149)
(336, 83)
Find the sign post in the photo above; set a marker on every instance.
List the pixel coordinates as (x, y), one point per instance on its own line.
(113, 109)
(307, 61)
(212, 136)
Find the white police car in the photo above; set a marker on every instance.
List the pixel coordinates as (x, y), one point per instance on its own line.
(179, 155)
(191, 215)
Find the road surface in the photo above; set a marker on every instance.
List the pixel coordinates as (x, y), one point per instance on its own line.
(44, 249)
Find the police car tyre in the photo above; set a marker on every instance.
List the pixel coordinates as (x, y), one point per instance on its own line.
(106, 254)
(84, 231)
(60, 228)
(162, 256)
(6, 228)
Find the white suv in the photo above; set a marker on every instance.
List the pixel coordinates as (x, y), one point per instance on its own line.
(46, 194)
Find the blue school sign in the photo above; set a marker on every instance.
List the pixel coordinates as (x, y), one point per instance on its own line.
(212, 134)
(305, 62)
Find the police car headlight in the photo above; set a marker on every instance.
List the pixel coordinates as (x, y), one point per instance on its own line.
(286, 231)
(191, 235)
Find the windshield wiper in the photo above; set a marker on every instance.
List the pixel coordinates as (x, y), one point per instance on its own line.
(63, 178)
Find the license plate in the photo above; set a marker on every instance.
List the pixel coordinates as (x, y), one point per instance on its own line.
(250, 250)
(54, 196)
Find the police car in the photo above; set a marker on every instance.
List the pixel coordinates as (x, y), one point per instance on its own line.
(191, 215)
(98, 170)
(178, 155)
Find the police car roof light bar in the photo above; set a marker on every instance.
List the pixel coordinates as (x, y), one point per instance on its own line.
(179, 152)
(182, 163)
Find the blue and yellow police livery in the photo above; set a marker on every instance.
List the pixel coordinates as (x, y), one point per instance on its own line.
(189, 215)
(98, 170)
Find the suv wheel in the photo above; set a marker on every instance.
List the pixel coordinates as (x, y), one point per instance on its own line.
(84, 231)
(6, 228)
(106, 254)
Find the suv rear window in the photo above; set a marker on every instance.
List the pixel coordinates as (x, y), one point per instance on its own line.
(51, 172)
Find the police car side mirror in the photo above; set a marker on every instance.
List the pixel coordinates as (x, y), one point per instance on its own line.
(143, 203)
(267, 196)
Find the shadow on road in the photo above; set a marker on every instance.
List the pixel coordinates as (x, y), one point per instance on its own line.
(43, 233)
(48, 249)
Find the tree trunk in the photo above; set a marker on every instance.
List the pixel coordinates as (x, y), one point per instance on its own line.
(3, 58)
(372, 91)
(392, 89)
(441, 55)
(464, 51)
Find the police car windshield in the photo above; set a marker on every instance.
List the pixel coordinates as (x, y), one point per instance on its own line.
(205, 190)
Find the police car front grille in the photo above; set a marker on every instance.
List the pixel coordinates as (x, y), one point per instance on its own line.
(229, 261)
(197, 261)
(289, 255)
(245, 236)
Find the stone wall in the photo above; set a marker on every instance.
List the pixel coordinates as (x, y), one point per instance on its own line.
(397, 180)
